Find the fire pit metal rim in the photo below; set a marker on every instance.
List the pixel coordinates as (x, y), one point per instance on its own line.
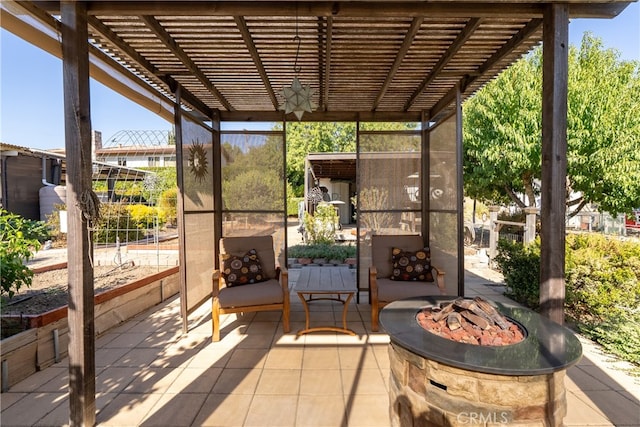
(547, 348)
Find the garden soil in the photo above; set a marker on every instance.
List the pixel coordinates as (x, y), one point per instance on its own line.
(48, 290)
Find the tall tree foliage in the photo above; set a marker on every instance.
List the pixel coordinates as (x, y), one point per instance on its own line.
(502, 132)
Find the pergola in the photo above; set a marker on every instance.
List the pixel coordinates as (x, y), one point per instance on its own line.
(202, 63)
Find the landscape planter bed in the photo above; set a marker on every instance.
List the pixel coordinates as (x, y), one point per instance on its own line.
(435, 381)
(46, 340)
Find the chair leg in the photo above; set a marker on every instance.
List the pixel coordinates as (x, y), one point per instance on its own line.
(285, 314)
(374, 317)
(215, 317)
(285, 321)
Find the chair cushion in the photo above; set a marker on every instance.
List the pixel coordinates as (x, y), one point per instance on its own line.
(382, 245)
(262, 244)
(411, 265)
(393, 290)
(268, 292)
(242, 270)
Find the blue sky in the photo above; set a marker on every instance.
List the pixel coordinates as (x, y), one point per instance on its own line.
(31, 102)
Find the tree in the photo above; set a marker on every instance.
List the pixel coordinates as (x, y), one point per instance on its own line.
(502, 132)
(253, 180)
(321, 137)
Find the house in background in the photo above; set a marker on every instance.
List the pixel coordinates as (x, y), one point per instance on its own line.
(33, 181)
(137, 149)
(23, 172)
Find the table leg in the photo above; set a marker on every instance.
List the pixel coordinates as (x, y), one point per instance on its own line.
(307, 329)
(344, 311)
(306, 310)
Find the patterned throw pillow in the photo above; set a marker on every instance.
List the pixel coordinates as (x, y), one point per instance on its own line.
(242, 270)
(411, 266)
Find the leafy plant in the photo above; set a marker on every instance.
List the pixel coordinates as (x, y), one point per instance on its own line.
(322, 225)
(603, 278)
(520, 266)
(19, 239)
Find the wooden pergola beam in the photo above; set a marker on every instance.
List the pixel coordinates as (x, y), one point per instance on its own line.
(255, 56)
(522, 35)
(153, 24)
(462, 38)
(500, 54)
(141, 61)
(323, 116)
(402, 52)
(372, 9)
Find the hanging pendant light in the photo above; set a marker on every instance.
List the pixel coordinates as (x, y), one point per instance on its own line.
(297, 97)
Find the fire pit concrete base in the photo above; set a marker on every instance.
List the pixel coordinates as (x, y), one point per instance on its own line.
(428, 393)
(438, 382)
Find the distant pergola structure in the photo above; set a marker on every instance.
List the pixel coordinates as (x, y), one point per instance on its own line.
(201, 63)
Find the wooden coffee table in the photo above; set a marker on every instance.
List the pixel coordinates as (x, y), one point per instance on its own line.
(326, 283)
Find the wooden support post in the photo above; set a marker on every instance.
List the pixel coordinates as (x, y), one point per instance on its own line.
(554, 160)
(75, 55)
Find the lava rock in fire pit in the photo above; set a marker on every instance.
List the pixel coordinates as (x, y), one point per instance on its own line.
(469, 321)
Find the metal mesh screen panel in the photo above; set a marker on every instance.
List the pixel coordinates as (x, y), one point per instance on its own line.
(389, 193)
(443, 224)
(253, 186)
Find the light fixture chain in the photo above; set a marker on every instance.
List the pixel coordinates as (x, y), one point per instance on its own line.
(297, 68)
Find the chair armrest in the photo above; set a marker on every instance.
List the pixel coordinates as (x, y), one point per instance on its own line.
(440, 280)
(217, 282)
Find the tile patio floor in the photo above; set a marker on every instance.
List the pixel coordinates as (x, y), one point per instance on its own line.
(149, 374)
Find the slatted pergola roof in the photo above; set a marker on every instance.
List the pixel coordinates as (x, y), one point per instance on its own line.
(228, 60)
(364, 59)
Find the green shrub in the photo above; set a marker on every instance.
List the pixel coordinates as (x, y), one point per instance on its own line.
(602, 287)
(19, 239)
(168, 203)
(145, 216)
(326, 251)
(602, 278)
(520, 266)
(115, 222)
(322, 225)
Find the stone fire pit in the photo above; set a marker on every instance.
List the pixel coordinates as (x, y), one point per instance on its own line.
(436, 381)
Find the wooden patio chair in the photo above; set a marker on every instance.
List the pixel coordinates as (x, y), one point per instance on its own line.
(407, 278)
(248, 280)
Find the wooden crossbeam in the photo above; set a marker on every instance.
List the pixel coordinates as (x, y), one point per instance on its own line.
(404, 48)
(155, 26)
(464, 35)
(255, 56)
(142, 62)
